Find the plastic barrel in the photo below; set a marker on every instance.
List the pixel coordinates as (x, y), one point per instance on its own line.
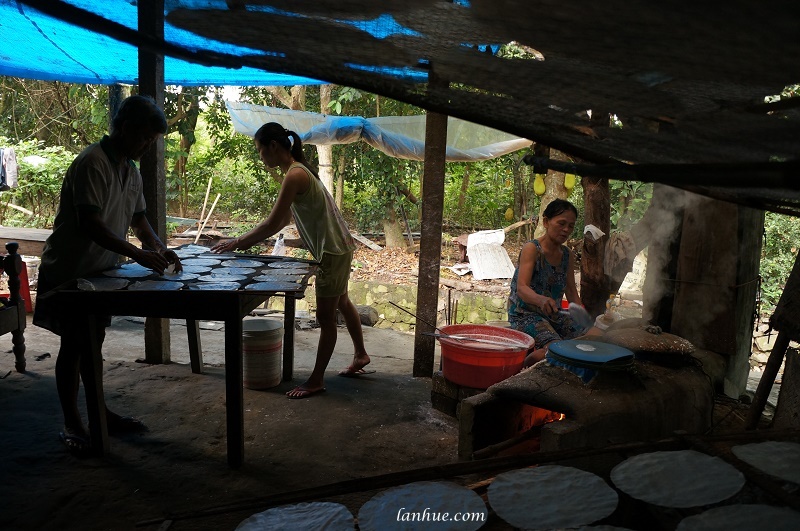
(262, 342)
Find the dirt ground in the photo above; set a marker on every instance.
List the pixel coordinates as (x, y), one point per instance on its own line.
(362, 427)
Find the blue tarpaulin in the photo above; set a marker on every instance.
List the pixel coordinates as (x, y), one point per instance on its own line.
(37, 46)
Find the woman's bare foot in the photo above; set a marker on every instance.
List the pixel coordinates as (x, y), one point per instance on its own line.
(357, 367)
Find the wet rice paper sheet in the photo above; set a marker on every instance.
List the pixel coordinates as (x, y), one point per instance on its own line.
(551, 497)
(102, 284)
(273, 286)
(780, 459)
(679, 479)
(215, 286)
(742, 517)
(155, 285)
(311, 515)
(414, 506)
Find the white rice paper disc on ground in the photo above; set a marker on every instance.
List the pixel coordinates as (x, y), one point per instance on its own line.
(325, 516)
(128, 273)
(221, 277)
(155, 285)
(742, 517)
(551, 496)
(414, 507)
(679, 479)
(241, 262)
(272, 286)
(206, 262)
(215, 286)
(186, 253)
(780, 459)
(101, 283)
(195, 269)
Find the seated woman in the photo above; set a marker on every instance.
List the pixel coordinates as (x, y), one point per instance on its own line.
(544, 274)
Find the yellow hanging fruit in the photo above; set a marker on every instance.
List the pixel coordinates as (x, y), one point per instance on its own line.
(538, 185)
(509, 214)
(569, 181)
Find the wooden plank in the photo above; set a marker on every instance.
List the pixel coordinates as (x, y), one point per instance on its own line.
(372, 245)
(31, 241)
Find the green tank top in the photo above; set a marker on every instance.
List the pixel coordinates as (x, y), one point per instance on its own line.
(319, 221)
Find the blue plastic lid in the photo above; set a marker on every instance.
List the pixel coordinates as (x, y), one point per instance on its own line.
(589, 351)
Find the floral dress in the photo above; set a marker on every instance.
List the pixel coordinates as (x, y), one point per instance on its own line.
(550, 281)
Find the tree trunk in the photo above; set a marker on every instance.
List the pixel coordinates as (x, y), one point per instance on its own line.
(325, 153)
(597, 212)
(392, 228)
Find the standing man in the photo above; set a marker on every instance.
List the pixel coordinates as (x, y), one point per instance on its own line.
(101, 197)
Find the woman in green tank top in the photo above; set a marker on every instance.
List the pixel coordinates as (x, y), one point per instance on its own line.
(323, 230)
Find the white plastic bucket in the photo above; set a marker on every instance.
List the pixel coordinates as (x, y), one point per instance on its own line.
(262, 342)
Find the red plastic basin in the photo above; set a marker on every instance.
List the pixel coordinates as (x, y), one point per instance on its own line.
(479, 365)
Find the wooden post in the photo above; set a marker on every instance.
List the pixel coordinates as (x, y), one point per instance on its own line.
(716, 281)
(151, 83)
(430, 253)
(597, 212)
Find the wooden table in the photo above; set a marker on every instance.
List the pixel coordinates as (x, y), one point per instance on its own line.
(228, 306)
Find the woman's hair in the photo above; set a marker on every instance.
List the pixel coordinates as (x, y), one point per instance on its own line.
(285, 138)
(558, 206)
(142, 113)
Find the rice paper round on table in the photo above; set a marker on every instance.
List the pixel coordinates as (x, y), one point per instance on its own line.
(205, 262)
(272, 286)
(551, 496)
(288, 265)
(242, 262)
(679, 479)
(129, 273)
(416, 505)
(287, 272)
(742, 517)
(311, 515)
(221, 277)
(135, 266)
(182, 276)
(780, 459)
(155, 285)
(195, 269)
(215, 286)
(234, 271)
(277, 278)
(101, 283)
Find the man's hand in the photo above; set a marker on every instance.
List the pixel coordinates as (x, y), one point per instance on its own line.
(228, 245)
(155, 261)
(172, 259)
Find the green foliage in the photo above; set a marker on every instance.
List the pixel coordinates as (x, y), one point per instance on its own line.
(629, 202)
(781, 237)
(484, 200)
(41, 172)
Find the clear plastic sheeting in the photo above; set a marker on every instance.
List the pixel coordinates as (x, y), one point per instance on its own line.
(401, 137)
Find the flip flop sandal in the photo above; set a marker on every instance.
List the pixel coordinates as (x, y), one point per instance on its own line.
(77, 445)
(347, 373)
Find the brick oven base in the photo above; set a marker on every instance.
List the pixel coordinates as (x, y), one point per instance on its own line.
(646, 403)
